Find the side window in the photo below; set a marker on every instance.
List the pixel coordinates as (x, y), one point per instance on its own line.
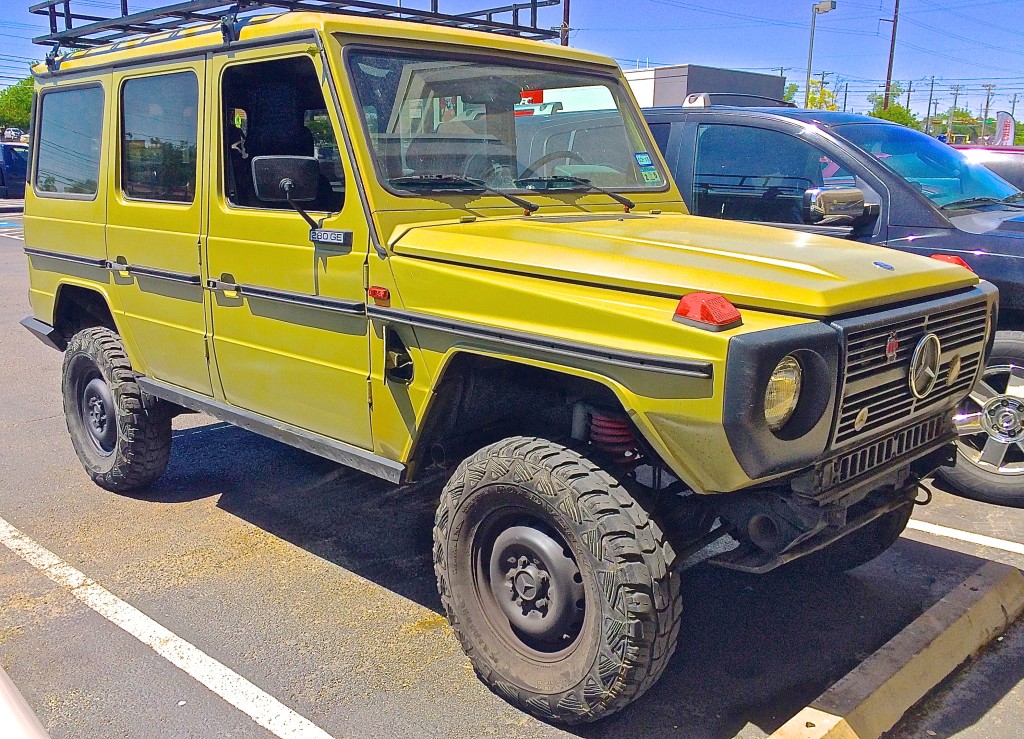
(660, 132)
(277, 108)
(159, 131)
(754, 174)
(68, 152)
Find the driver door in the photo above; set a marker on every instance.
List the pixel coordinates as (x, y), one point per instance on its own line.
(290, 333)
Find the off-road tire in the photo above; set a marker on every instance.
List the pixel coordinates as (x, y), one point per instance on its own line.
(968, 479)
(139, 452)
(633, 603)
(855, 549)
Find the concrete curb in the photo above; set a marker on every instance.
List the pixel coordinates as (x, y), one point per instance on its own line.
(872, 698)
(12, 207)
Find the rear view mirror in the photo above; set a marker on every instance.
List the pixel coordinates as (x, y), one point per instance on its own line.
(279, 179)
(836, 207)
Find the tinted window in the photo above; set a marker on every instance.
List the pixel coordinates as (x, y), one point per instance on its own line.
(16, 158)
(158, 137)
(943, 174)
(660, 132)
(71, 122)
(755, 174)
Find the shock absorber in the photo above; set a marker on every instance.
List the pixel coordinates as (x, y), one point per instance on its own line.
(612, 437)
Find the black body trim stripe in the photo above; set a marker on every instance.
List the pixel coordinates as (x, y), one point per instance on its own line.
(159, 274)
(350, 307)
(62, 257)
(309, 441)
(562, 347)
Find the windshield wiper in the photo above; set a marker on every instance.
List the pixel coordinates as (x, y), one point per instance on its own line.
(622, 199)
(431, 180)
(983, 200)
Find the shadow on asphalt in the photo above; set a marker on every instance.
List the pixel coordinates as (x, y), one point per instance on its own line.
(752, 650)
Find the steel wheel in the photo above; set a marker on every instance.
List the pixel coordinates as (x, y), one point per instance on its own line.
(96, 409)
(529, 584)
(990, 421)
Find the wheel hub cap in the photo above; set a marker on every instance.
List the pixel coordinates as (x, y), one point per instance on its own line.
(537, 586)
(1002, 418)
(97, 410)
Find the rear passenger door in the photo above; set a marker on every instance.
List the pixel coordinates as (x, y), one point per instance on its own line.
(155, 218)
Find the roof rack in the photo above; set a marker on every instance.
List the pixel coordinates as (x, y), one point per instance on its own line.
(86, 29)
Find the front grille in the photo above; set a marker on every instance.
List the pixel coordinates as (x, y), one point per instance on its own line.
(881, 386)
(882, 452)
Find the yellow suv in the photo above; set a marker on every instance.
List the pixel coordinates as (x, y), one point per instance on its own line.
(373, 239)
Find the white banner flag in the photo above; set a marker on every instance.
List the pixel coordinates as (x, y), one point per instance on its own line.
(1005, 126)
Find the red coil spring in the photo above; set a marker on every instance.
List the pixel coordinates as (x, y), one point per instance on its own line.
(612, 437)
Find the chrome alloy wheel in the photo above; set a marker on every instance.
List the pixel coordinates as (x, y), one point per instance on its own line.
(990, 421)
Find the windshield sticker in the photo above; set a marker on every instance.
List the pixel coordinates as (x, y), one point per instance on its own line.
(651, 175)
(644, 159)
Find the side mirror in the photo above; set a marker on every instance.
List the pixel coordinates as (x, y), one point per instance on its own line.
(835, 207)
(280, 179)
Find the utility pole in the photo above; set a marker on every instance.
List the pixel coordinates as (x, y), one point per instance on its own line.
(928, 112)
(892, 53)
(910, 89)
(565, 23)
(1013, 106)
(846, 95)
(988, 101)
(949, 123)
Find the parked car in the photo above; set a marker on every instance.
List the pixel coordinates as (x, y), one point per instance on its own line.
(427, 287)
(909, 192)
(13, 162)
(13, 134)
(1005, 161)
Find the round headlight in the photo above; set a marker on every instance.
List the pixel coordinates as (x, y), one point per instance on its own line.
(783, 393)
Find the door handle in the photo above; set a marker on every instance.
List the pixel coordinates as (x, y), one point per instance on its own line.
(230, 289)
(120, 266)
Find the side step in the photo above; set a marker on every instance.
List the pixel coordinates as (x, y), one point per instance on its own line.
(308, 441)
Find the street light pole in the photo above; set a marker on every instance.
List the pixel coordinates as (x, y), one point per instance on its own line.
(820, 7)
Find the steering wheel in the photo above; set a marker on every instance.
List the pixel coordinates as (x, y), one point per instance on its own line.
(531, 171)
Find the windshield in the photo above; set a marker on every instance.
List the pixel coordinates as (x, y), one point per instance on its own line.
(942, 173)
(444, 123)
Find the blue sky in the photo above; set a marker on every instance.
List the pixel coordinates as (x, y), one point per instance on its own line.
(958, 41)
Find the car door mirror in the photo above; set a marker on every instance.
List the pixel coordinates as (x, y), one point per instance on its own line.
(279, 179)
(834, 207)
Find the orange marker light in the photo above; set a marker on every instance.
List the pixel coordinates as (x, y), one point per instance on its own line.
(708, 311)
(952, 259)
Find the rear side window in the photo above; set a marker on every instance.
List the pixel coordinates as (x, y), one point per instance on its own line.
(159, 131)
(70, 127)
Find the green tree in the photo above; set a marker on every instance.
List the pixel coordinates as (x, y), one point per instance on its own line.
(16, 105)
(896, 113)
(789, 94)
(877, 99)
(821, 97)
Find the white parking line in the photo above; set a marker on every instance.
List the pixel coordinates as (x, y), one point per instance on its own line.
(263, 708)
(980, 539)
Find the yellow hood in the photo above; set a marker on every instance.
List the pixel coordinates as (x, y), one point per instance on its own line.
(671, 254)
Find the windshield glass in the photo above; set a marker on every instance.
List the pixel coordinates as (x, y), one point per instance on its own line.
(942, 173)
(436, 122)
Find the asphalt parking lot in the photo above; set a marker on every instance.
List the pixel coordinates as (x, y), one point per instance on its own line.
(314, 584)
